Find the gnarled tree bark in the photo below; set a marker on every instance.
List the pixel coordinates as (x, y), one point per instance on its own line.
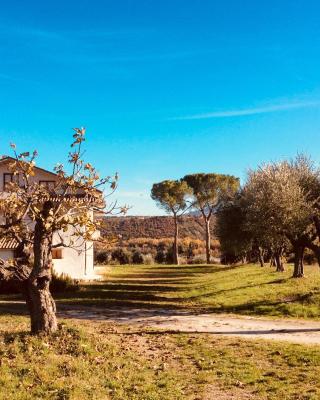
(39, 299)
(278, 259)
(298, 271)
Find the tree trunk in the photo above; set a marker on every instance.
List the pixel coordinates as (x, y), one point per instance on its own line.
(39, 300)
(208, 240)
(175, 242)
(278, 260)
(272, 260)
(244, 259)
(260, 256)
(298, 271)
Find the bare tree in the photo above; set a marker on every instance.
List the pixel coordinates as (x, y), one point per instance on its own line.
(32, 214)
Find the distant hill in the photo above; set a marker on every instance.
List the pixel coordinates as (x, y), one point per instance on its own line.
(151, 227)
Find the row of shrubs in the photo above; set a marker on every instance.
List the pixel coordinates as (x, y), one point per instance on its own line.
(150, 251)
(59, 284)
(187, 246)
(123, 256)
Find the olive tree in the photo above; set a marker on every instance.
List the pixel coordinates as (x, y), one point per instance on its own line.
(279, 205)
(209, 192)
(33, 214)
(308, 175)
(234, 237)
(240, 237)
(171, 196)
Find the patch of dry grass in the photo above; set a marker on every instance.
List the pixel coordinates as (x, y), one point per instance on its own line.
(87, 360)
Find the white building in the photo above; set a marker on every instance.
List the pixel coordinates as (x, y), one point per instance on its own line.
(78, 264)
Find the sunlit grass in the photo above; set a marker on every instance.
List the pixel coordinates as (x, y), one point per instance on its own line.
(91, 360)
(246, 289)
(100, 360)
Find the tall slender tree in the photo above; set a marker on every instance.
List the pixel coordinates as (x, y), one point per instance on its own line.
(171, 196)
(209, 192)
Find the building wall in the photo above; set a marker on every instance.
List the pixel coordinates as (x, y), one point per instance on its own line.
(41, 175)
(6, 254)
(78, 264)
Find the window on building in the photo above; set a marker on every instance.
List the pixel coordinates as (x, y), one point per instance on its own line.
(49, 185)
(8, 178)
(57, 254)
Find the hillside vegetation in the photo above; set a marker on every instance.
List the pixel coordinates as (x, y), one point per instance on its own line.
(152, 227)
(149, 240)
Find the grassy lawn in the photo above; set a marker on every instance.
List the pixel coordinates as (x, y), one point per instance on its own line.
(103, 361)
(246, 289)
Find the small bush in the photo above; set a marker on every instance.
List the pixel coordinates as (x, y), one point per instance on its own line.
(120, 255)
(199, 259)
(183, 260)
(148, 259)
(102, 257)
(63, 283)
(169, 256)
(160, 256)
(137, 257)
(58, 284)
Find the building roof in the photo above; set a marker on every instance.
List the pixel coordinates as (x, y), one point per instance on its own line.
(8, 158)
(71, 198)
(56, 197)
(8, 244)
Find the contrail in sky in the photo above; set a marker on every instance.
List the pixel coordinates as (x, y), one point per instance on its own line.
(250, 111)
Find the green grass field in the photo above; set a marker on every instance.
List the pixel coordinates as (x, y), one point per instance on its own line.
(246, 289)
(102, 361)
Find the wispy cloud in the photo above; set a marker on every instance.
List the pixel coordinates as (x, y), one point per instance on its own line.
(251, 111)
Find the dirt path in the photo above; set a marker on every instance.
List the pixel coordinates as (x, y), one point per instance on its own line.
(295, 331)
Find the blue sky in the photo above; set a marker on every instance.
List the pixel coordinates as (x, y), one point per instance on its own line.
(164, 88)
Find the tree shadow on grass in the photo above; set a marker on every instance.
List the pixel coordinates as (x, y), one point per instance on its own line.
(126, 310)
(130, 292)
(135, 292)
(134, 286)
(229, 333)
